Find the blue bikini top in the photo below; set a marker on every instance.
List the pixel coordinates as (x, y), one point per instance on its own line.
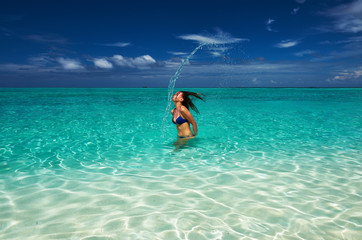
(179, 120)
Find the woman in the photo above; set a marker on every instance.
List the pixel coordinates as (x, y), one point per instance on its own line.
(181, 115)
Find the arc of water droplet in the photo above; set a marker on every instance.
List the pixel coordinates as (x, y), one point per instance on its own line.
(172, 83)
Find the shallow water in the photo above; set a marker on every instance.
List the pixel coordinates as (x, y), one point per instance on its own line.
(267, 164)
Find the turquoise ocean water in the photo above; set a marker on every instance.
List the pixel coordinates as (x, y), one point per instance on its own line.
(267, 164)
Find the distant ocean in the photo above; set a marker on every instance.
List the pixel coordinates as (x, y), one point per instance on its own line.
(267, 164)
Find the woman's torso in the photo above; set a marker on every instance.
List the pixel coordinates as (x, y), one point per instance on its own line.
(182, 126)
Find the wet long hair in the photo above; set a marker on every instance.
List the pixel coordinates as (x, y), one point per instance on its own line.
(188, 96)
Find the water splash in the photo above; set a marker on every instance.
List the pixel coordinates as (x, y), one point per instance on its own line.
(172, 83)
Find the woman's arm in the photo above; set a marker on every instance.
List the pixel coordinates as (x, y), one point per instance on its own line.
(185, 112)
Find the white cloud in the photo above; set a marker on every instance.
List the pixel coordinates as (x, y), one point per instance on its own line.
(138, 62)
(270, 21)
(219, 38)
(70, 64)
(347, 75)
(300, 1)
(216, 54)
(173, 63)
(287, 44)
(144, 60)
(348, 17)
(302, 53)
(295, 11)
(177, 53)
(268, 25)
(218, 51)
(121, 61)
(102, 63)
(117, 44)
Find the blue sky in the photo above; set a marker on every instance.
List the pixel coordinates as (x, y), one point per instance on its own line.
(286, 43)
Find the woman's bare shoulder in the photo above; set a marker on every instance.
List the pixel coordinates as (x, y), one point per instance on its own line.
(184, 109)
